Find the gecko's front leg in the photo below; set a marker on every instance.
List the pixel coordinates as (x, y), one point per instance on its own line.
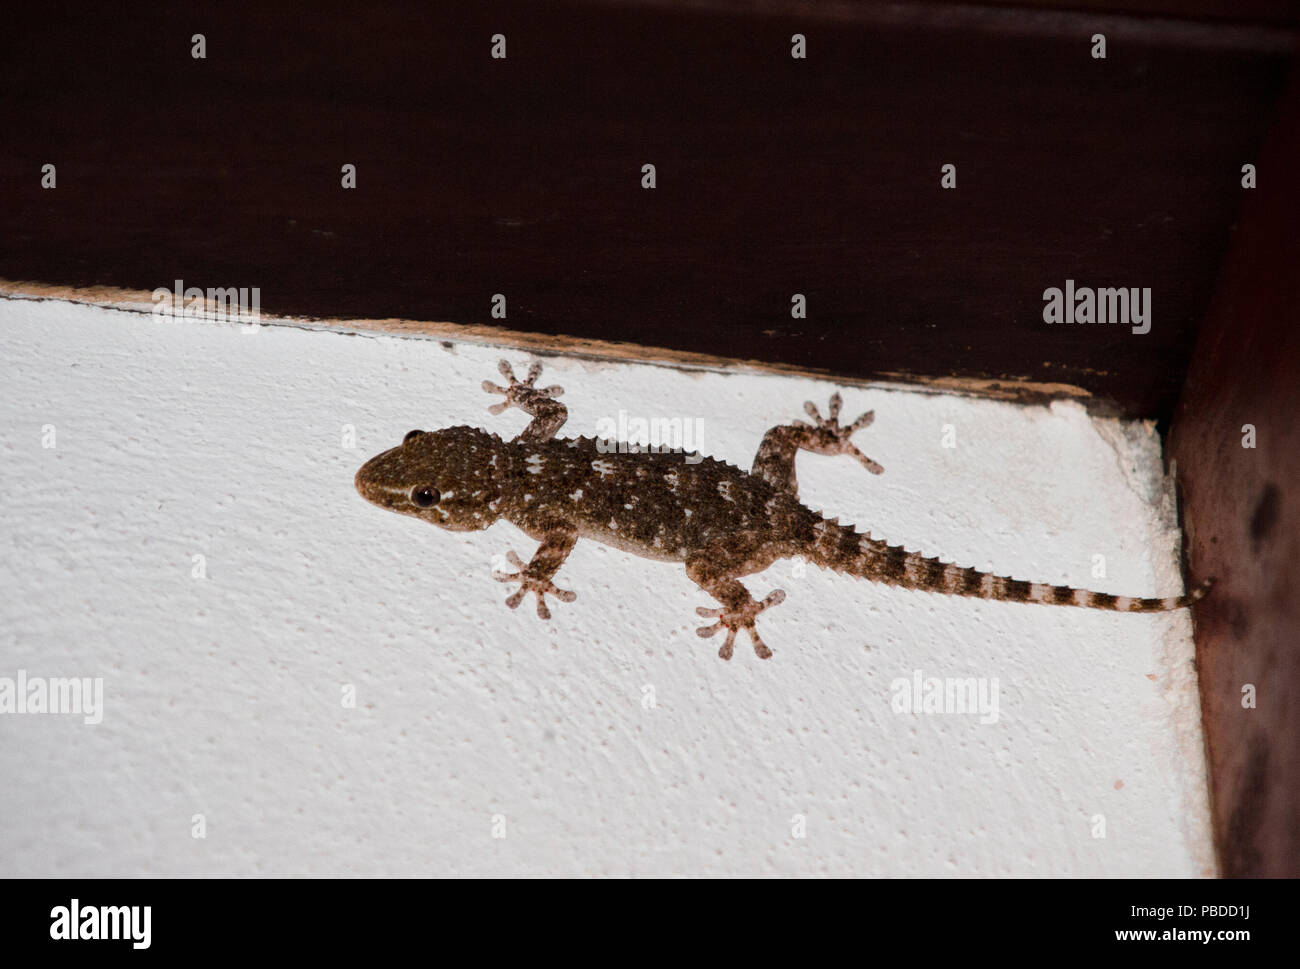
(535, 577)
(548, 413)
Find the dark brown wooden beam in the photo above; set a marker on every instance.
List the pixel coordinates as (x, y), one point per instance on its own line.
(775, 176)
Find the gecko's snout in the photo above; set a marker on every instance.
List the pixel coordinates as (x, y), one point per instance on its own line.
(369, 481)
(362, 484)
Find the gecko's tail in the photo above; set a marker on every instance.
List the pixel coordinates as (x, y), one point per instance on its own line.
(844, 549)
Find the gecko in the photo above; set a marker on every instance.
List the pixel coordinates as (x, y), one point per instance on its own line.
(721, 522)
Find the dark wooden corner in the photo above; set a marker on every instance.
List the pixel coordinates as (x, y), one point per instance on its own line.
(1235, 442)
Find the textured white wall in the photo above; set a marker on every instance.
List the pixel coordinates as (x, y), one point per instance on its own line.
(222, 695)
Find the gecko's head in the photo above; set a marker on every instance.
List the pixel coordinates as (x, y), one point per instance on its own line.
(446, 477)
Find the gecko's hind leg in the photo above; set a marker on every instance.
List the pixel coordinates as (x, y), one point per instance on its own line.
(739, 618)
(715, 570)
(774, 462)
(548, 413)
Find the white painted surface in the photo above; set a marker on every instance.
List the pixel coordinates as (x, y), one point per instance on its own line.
(223, 695)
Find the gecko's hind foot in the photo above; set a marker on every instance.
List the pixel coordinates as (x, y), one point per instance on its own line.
(520, 393)
(832, 438)
(736, 619)
(531, 583)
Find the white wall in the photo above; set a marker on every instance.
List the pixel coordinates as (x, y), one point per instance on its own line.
(222, 695)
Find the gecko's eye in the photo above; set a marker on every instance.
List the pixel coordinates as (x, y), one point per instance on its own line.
(425, 497)
(411, 434)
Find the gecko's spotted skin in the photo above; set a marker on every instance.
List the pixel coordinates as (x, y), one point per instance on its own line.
(721, 522)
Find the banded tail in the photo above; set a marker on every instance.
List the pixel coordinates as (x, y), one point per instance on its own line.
(844, 549)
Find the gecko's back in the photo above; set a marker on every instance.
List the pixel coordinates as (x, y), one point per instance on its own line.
(661, 505)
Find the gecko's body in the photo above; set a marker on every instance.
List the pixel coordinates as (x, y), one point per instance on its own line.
(720, 521)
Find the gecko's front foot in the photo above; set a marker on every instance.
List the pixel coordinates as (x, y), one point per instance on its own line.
(530, 582)
(520, 393)
(736, 619)
(830, 438)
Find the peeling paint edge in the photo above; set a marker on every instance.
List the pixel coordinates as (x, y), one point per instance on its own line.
(1007, 388)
